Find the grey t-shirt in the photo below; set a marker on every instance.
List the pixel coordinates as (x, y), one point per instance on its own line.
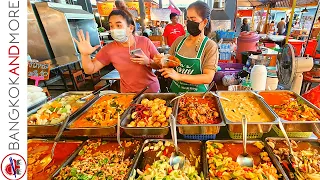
(210, 55)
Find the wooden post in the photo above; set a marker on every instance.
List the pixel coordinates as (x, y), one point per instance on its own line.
(142, 14)
(252, 22)
(265, 27)
(294, 2)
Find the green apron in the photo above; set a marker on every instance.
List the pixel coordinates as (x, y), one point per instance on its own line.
(190, 66)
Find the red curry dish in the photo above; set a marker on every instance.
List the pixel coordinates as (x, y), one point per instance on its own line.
(195, 110)
(289, 107)
(37, 150)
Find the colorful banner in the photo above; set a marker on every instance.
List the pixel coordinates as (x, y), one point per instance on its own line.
(133, 6)
(105, 8)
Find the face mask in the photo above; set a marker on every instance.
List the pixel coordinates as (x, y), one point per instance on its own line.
(193, 28)
(119, 35)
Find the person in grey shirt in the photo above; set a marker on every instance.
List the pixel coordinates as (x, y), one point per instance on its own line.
(245, 25)
(281, 26)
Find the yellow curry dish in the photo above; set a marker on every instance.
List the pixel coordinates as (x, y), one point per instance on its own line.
(243, 104)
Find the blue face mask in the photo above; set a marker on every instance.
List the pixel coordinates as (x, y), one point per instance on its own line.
(119, 35)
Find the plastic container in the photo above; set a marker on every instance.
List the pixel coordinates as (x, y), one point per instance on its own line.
(272, 83)
(247, 41)
(297, 46)
(311, 48)
(258, 77)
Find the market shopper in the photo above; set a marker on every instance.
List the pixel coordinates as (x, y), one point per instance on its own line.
(245, 25)
(135, 71)
(197, 53)
(281, 27)
(174, 30)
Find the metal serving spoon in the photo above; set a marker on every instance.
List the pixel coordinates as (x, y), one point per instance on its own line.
(220, 97)
(47, 159)
(209, 88)
(291, 156)
(122, 150)
(244, 159)
(180, 96)
(177, 157)
(83, 99)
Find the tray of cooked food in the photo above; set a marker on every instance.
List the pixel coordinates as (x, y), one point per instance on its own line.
(149, 116)
(101, 159)
(39, 148)
(259, 116)
(296, 113)
(46, 119)
(101, 117)
(305, 160)
(221, 161)
(197, 115)
(153, 160)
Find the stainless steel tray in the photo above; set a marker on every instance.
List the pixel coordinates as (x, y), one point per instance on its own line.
(297, 126)
(94, 131)
(71, 156)
(206, 165)
(253, 127)
(275, 159)
(133, 156)
(142, 160)
(52, 129)
(147, 131)
(203, 129)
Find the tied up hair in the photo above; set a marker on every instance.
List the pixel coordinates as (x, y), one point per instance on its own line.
(126, 15)
(204, 12)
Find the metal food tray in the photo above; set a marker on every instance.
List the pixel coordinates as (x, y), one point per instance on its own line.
(132, 155)
(297, 126)
(94, 131)
(142, 160)
(275, 159)
(71, 156)
(147, 131)
(203, 129)
(52, 129)
(253, 127)
(206, 165)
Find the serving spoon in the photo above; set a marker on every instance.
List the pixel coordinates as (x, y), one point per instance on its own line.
(209, 88)
(220, 97)
(48, 158)
(244, 159)
(177, 158)
(83, 99)
(122, 150)
(180, 96)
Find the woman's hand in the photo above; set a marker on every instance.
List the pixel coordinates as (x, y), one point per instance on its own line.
(141, 59)
(170, 73)
(83, 44)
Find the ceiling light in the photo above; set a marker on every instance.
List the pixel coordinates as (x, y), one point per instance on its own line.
(304, 10)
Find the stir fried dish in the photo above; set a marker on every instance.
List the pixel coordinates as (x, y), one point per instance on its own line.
(100, 160)
(56, 111)
(150, 113)
(222, 162)
(290, 108)
(104, 112)
(306, 158)
(155, 163)
(243, 104)
(37, 150)
(195, 110)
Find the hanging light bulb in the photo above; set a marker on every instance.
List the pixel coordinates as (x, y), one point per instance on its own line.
(304, 10)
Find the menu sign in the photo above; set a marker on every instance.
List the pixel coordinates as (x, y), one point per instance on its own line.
(39, 69)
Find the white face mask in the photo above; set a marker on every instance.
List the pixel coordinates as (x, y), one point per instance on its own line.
(119, 35)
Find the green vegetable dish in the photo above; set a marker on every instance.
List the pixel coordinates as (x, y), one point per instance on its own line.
(100, 160)
(160, 169)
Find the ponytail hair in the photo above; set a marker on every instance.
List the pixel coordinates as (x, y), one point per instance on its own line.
(126, 15)
(204, 12)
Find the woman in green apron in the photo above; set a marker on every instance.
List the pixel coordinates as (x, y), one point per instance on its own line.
(197, 53)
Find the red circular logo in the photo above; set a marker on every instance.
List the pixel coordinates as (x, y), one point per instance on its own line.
(13, 166)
